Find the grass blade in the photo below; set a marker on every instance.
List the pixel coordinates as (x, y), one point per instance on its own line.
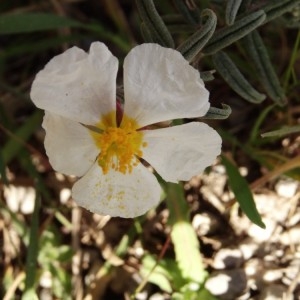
(31, 22)
(242, 192)
(282, 132)
(15, 144)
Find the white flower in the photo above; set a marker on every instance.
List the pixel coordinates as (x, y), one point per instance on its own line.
(77, 90)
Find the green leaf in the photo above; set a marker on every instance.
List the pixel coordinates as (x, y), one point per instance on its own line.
(283, 131)
(259, 120)
(158, 275)
(218, 113)
(235, 79)
(232, 8)
(187, 249)
(207, 75)
(242, 192)
(193, 45)
(154, 23)
(146, 34)
(30, 22)
(39, 46)
(191, 14)
(258, 53)
(16, 143)
(183, 236)
(230, 34)
(275, 8)
(30, 295)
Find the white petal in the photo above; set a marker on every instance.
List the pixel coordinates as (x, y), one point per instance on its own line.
(69, 145)
(160, 85)
(180, 152)
(77, 85)
(116, 194)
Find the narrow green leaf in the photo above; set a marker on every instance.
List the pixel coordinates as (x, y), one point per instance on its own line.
(228, 35)
(207, 75)
(242, 192)
(290, 72)
(283, 131)
(256, 49)
(183, 235)
(235, 79)
(218, 113)
(14, 145)
(185, 242)
(158, 275)
(193, 45)
(259, 120)
(232, 8)
(275, 8)
(191, 14)
(30, 22)
(154, 23)
(39, 46)
(146, 34)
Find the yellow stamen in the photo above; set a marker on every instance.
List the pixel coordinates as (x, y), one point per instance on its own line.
(119, 146)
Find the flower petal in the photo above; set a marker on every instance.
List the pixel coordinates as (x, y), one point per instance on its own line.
(180, 152)
(69, 145)
(160, 85)
(77, 85)
(117, 194)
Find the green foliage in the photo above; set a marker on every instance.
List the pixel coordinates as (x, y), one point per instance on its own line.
(18, 140)
(191, 14)
(242, 192)
(154, 23)
(282, 132)
(194, 44)
(184, 237)
(232, 8)
(235, 79)
(185, 241)
(168, 277)
(275, 9)
(201, 33)
(267, 75)
(218, 113)
(52, 257)
(164, 273)
(228, 35)
(31, 22)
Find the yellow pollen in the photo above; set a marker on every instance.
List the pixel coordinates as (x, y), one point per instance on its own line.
(119, 146)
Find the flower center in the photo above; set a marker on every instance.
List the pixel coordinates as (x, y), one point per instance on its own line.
(119, 146)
